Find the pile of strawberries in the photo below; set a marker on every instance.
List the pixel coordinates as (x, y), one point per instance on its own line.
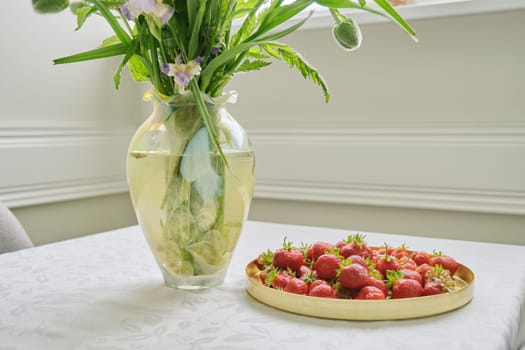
(350, 269)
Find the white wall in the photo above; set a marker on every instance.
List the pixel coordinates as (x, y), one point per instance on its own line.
(423, 138)
(64, 129)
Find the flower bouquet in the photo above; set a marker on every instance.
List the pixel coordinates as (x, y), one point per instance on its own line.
(190, 166)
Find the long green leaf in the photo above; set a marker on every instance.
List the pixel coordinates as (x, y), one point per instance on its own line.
(195, 35)
(295, 60)
(230, 54)
(347, 4)
(101, 52)
(286, 31)
(131, 51)
(112, 21)
(282, 14)
(390, 10)
(248, 25)
(206, 118)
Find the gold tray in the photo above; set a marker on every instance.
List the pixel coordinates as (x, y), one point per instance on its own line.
(343, 309)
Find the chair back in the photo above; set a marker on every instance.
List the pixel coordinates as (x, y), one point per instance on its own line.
(12, 235)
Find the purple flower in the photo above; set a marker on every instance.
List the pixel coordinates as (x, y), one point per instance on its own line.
(133, 8)
(182, 73)
(214, 51)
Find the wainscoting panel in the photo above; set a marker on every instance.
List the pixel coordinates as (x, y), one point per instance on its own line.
(44, 165)
(478, 168)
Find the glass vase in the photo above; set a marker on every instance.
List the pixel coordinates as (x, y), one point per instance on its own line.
(190, 204)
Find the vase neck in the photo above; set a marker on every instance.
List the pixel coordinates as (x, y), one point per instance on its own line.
(189, 100)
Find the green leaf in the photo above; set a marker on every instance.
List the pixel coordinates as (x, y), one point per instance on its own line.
(243, 8)
(295, 60)
(137, 69)
(390, 10)
(206, 119)
(281, 14)
(247, 65)
(256, 52)
(101, 52)
(249, 24)
(83, 13)
(112, 40)
(195, 34)
(129, 54)
(50, 6)
(112, 21)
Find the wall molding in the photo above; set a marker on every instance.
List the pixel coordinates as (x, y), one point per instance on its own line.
(49, 164)
(449, 166)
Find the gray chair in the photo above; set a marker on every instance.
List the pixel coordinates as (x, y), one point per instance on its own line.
(12, 234)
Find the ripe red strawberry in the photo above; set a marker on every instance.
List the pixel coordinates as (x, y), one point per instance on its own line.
(297, 286)
(323, 291)
(432, 288)
(447, 262)
(304, 271)
(264, 260)
(281, 281)
(378, 284)
(401, 252)
(316, 283)
(288, 257)
(370, 293)
(413, 275)
(406, 288)
(421, 258)
(357, 247)
(386, 263)
(406, 263)
(423, 270)
(320, 248)
(326, 266)
(356, 259)
(354, 276)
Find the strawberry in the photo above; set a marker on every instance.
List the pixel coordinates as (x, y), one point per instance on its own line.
(406, 263)
(304, 271)
(354, 276)
(387, 262)
(378, 284)
(421, 258)
(432, 288)
(276, 279)
(401, 252)
(447, 262)
(316, 283)
(357, 259)
(357, 247)
(320, 248)
(264, 259)
(297, 286)
(370, 293)
(326, 266)
(405, 288)
(412, 275)
(288, 257)
(437, 274)
(323, 291)
(423, 270)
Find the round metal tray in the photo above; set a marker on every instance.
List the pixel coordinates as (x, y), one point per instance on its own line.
(344, 309)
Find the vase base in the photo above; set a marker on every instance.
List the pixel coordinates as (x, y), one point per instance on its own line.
(192, 282)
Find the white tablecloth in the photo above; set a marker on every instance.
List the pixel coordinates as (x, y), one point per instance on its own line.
(105, 292)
